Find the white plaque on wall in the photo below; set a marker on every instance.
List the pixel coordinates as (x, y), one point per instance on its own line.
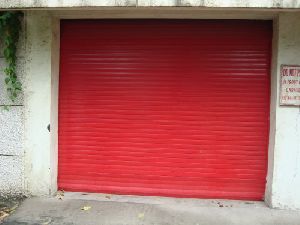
(290, 85)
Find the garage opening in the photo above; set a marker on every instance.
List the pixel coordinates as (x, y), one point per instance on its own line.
(165, 107)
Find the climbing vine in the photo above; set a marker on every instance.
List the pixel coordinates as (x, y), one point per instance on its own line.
(10, 27)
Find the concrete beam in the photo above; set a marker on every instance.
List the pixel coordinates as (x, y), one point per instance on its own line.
(22, 4)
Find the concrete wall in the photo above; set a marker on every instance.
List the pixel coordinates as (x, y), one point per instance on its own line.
(37, 100)
(284, 157)
(12, 151)
(142, 3)
(24, 156)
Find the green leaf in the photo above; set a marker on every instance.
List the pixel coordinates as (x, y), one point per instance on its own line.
(18, 84)
(13, 78)
(7, 80)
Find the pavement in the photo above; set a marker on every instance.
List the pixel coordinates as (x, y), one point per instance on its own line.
(104, 209)
(8, 205)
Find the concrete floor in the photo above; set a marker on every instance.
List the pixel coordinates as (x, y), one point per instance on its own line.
(101, 209)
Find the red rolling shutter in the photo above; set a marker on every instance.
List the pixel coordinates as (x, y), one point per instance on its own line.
(165, 107)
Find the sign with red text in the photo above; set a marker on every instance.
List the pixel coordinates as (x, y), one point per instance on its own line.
(290, 85)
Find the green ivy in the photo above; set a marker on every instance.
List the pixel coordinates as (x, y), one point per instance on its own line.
(10, 27)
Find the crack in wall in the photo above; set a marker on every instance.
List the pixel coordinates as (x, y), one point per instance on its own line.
(6, 155)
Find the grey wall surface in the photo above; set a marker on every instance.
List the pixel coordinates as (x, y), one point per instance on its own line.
(12, 134)
(143, 3)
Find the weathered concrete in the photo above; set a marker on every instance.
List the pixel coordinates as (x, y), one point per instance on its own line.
(128, 210)
(12, 132)
(37, 100)
(164, 13)
(284, 155)
(141, 3)
(12, 152)
(12, 176)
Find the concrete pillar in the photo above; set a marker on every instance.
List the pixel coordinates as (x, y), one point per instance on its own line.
(37, 99)
(283, 187)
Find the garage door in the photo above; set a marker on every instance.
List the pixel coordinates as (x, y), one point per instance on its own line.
(165, 107)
